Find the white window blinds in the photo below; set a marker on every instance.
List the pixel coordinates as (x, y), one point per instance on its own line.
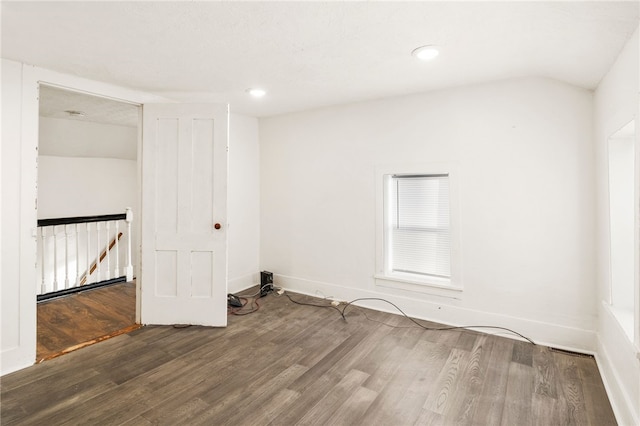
(420, 231)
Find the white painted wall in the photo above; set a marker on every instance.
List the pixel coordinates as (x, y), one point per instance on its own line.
(243, 203)
(73, 138)
(616, 104)
(85, 186)
(525, 158)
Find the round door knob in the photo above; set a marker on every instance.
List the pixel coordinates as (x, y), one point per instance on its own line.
(217, 226)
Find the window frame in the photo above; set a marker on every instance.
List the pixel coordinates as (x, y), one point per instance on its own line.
(384, 276)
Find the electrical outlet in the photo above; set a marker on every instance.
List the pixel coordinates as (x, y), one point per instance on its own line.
(335, 303)
(280, 291)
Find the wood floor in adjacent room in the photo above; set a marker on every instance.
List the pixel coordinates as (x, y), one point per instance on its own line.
(80, 319)
(289, 364)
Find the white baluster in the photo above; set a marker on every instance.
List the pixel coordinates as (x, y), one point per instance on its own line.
(108, 251)
(77, 280)
(98, 250)
(129, 268)
(43, 285)
(55, 260)
(117, 274)
(66, 257)
(88, 273)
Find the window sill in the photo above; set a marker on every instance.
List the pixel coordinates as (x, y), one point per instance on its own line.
(442, 288)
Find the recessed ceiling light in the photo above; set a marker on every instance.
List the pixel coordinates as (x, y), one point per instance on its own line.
(73, 113)
(257, 93)
(425, 53)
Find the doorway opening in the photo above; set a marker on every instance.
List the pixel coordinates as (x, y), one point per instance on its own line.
(88, 190)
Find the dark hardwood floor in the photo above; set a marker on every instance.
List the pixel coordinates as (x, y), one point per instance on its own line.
(289, 364)
(75, 321)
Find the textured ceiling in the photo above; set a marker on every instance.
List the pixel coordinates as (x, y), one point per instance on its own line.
(54, 103)
(313, 54)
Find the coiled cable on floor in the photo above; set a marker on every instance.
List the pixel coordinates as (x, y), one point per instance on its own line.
(465, 327)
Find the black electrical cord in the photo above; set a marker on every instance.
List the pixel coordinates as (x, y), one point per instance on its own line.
(313, 304)
(239, 311)
(466, 327)
(259, 290)
(254, 302)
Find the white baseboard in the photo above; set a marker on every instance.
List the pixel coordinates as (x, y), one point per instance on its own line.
(544, 333)
(244, 282)
(14, 359)
(619, 368)
(620, 401)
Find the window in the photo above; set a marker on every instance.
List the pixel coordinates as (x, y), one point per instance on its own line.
(418, 239)
(417, 228)
(622, 228)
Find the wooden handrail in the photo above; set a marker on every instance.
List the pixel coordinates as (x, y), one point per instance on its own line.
(94, 265)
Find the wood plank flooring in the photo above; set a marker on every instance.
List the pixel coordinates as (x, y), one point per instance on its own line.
(74, 321)
(288, 364)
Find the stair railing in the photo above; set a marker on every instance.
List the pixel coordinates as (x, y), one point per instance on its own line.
(68, 245)
(105, 253)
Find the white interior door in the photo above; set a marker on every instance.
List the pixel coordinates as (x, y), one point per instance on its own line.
(184, 211)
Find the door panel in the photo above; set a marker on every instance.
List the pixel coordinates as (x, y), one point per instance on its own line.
(184, 172)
